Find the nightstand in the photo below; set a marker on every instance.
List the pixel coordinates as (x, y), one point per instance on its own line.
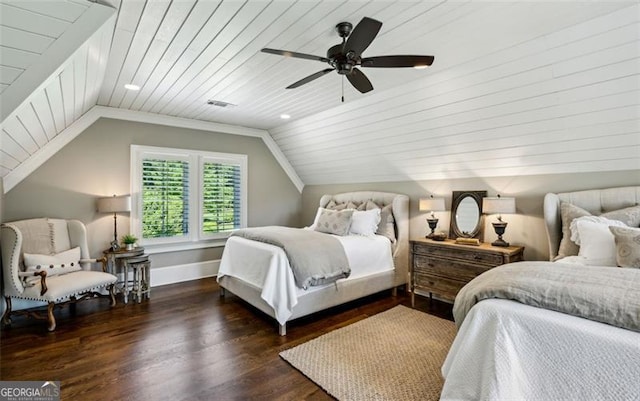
(444, 267)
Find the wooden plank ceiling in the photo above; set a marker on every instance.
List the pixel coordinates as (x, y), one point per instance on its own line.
(516, 87)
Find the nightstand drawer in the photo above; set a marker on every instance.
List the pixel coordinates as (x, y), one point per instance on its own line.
(491, 259)
(444, 287)
(444, 267)
(448, 268)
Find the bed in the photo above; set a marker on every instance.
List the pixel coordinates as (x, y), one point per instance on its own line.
(509, 350)
(260, 274)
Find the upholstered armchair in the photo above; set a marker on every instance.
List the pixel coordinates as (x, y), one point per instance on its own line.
(47, 260)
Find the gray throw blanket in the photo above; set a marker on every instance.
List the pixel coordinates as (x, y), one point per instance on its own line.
(605, 294)
(315, 258)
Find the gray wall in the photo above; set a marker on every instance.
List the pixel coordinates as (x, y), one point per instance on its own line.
(96, 164)
(525, 228)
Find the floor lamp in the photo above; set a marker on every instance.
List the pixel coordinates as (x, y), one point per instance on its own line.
(115, 204)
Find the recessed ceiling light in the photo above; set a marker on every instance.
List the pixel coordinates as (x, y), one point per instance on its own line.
(132, 87)
(419, 67)
(285, 116)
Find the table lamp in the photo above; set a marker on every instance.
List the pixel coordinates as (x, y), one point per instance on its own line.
(432, 205)
(499, 205)
(115, 204)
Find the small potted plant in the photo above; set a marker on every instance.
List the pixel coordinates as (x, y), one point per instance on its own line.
(129, 241)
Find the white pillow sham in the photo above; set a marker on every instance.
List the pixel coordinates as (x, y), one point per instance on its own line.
(575, 232)
(365, 222)
(315, 219)
(597, 243)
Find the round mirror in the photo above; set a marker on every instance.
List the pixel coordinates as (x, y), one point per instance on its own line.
(466, 214)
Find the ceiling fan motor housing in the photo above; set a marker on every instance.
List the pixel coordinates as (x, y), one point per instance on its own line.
(344, 29)
(343, 63)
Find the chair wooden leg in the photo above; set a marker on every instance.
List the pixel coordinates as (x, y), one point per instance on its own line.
(51, 319)
(6, 317)
(112, 294)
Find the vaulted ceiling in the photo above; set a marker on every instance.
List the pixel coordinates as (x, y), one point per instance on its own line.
(516, 87)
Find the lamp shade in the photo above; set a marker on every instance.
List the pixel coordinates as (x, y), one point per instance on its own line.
(498, 205)
(114, 204)
(432, 204)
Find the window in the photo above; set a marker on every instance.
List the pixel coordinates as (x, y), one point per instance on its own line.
(186, 195)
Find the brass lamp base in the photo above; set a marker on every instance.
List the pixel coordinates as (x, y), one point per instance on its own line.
(500, 228)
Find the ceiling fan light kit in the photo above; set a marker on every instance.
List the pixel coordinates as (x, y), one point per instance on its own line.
(345, 57)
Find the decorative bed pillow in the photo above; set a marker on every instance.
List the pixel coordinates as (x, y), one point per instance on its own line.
(568, 212)
(61, 263)
(334, 221)
(627, 242)
(365, 222)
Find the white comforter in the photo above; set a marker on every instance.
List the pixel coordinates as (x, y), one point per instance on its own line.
(266, 267)
(505, 350)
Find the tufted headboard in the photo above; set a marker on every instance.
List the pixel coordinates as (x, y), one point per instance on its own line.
(595, 201)
(400, 207)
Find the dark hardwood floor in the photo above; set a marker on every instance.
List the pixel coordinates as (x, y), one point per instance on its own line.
(186, 343)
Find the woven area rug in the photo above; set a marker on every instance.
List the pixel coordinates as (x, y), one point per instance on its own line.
(394, 355)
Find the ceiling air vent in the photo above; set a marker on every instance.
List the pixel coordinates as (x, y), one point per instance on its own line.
(220, 103)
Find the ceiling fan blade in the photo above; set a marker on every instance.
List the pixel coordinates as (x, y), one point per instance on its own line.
(397, 61)
(309, 78)
(362, 36)
(288, 53)
(359, 81)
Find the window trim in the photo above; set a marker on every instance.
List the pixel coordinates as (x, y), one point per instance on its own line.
(195, 159)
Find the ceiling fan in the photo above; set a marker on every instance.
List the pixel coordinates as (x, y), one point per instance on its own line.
(346, 56)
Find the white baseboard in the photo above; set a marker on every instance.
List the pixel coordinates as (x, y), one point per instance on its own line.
(159, 276)
(179, 273)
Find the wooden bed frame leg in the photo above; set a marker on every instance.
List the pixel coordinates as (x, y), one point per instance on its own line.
(282, 329)
(50, 317)
(394, 291)
(6, 317)
(221, 292)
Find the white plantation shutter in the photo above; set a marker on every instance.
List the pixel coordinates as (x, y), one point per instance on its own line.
(221, 196)
(186, 195)
(165, 198)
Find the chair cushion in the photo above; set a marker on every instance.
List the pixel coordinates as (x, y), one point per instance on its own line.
(66, 285)
(60, 263)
